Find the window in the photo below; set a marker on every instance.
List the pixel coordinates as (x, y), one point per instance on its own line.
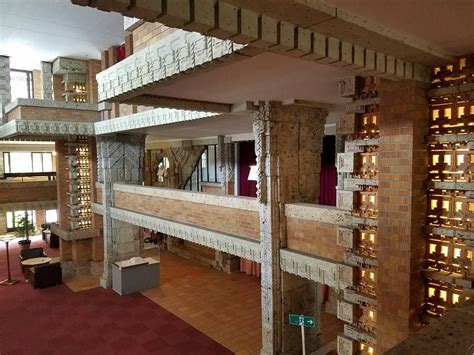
(51, 216)
(21, 84)
(27, 162)
(13, 217)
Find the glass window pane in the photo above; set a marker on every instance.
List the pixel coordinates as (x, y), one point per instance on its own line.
(10, 220)
(51, 216)
(20, 162)
(47, 162)
(37, 162)
(211, 159)
(6, 162)
(19, 84)
(204, 176)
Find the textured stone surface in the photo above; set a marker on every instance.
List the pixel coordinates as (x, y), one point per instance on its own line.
(46, 129)
(5, 88)
(46, 81)
(287, 172)
(119, 159)
(447, 335)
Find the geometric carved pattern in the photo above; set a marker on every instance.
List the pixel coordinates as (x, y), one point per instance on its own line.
(176, 53)
(231, 244)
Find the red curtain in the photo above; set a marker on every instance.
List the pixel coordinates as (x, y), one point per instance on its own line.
(120, 53)
(246, 159)
(328, 176)
(247, 188)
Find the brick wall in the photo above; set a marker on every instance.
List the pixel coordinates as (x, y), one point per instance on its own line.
(37, 85)
(149, 33)
(56, 114)
(402, 203)
(26, 192)
(94, 68)
(313, 238)
(229, 220)
(58, 88)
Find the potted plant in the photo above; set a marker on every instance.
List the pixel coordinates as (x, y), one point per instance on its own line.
(24, 227)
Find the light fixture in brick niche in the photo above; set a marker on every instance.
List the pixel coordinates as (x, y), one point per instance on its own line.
(449, 267)
(79, 183)
(74, 78)
(357, 190)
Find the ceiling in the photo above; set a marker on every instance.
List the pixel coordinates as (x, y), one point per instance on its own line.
(447, 24)
(226, 124)
(267, 76)
(32, 31)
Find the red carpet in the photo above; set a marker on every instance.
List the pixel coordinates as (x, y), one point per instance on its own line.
(57, 321)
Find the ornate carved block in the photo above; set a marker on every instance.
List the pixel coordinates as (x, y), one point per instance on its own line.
(350, 86)
(346, 162)
(346, 237)
(346, 312)
(345, 346)
(346, 274)
(346, 124)
(346, 199)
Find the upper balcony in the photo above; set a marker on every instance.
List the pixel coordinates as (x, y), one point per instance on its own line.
(47, 119)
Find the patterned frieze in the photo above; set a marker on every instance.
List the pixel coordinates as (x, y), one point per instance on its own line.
(317, 213)
(356, 184)
(63, 66)
(310, 267)
(237, 202)
(359, 260)
(361, 221)
(45, 128)
(150, 118)
(359, 298)
(174, 54)
(359, 334)
(242, 247)
(357, 145)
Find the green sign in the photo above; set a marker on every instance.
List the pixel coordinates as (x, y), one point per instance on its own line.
(305, 321)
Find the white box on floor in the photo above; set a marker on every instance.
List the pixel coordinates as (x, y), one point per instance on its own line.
(129, 277)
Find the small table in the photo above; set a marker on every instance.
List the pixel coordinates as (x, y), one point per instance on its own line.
(35, 261)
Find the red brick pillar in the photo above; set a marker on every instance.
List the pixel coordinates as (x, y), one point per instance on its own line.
(403, 167)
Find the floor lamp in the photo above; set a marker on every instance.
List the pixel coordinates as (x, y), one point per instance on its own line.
(9, 281)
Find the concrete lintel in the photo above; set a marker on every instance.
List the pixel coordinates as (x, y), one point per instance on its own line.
(308, 103)
(175, 103)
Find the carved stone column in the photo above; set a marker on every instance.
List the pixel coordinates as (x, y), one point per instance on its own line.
(120, 159)
(47, 80)
(5, 88)
(288, 145)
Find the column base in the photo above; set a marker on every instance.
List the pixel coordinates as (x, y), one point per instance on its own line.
(8, 282)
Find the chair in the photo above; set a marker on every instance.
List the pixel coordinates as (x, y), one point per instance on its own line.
(45, 275)
(29, 254)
